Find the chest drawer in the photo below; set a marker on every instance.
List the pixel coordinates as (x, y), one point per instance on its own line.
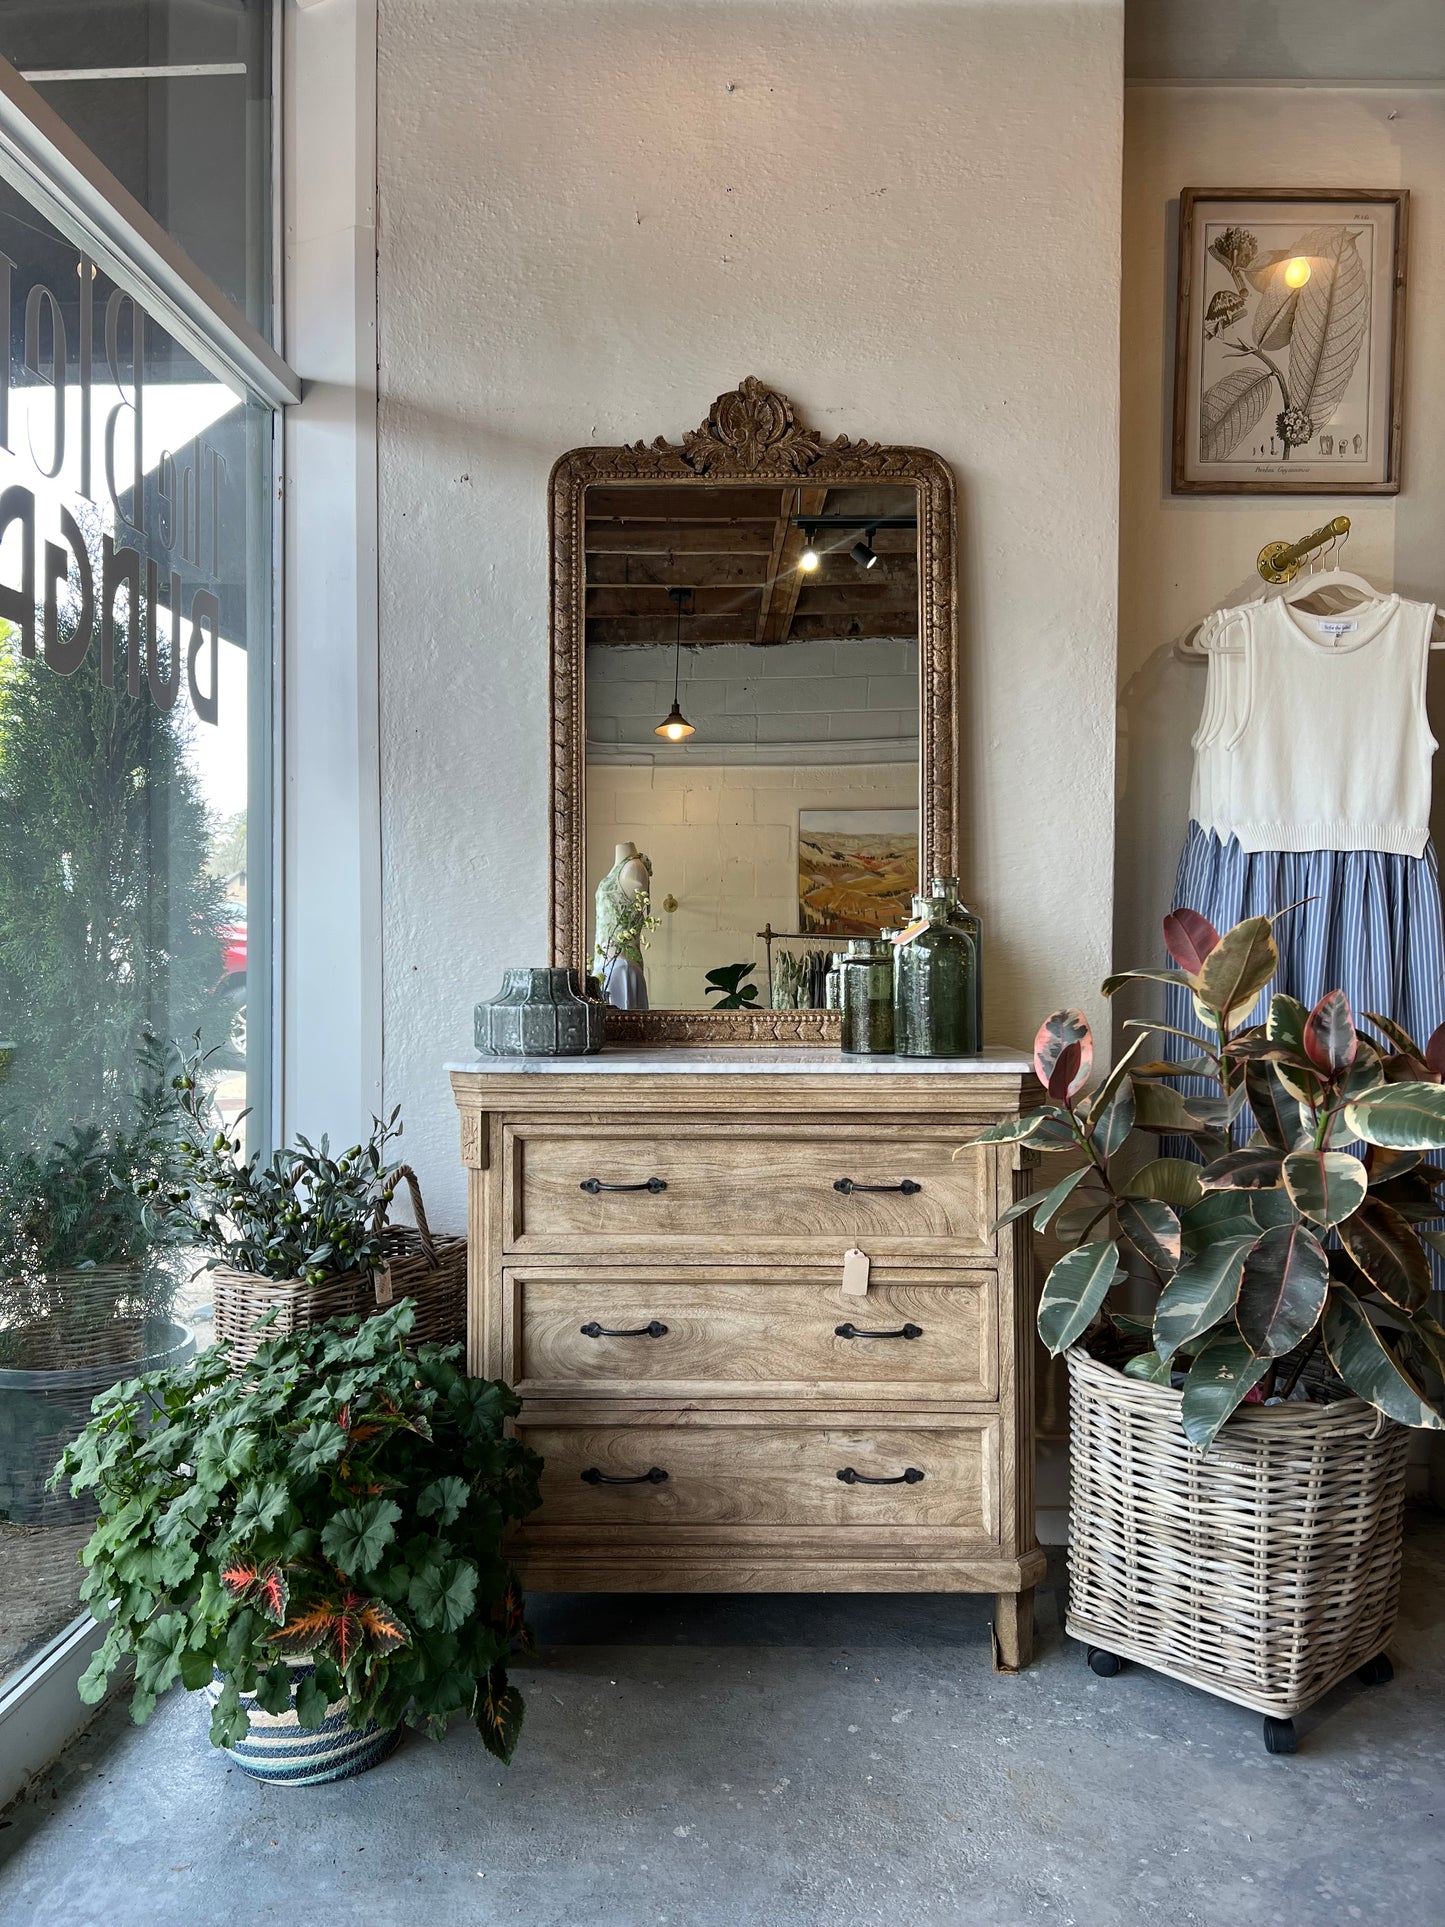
(744, 1191)
(654, 1331)
(699, 1474)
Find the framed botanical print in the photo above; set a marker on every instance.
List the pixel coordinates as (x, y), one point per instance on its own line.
(1289, 348)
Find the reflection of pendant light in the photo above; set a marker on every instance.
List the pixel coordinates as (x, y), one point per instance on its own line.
(675, 725)
(1296, 272)
(810, 557)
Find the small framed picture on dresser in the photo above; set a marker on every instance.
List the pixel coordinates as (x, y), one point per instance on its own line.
(1289, 341)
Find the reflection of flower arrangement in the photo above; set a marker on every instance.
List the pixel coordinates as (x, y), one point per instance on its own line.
(631, 932)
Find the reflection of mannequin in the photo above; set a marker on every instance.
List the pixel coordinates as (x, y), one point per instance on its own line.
(618, 956)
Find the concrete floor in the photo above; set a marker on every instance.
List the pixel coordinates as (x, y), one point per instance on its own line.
(755, 1762)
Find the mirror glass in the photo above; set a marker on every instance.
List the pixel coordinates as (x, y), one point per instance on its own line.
(752, 707)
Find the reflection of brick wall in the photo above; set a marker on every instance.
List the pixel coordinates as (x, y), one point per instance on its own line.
(724, 842)
(735, 693)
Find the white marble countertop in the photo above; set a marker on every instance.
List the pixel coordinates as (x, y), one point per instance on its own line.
(746, 1059)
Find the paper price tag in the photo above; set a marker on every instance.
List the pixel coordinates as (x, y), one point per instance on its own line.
(381, 1279)
(855, 1273)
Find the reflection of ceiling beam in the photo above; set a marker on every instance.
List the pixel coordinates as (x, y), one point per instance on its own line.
(785, 577)
(661, 538)
(686, 572)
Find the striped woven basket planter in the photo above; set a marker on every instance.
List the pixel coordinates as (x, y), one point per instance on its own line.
(278, 1748)
(1266, 1571)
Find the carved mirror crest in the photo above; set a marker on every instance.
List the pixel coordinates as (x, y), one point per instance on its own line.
(754, 641)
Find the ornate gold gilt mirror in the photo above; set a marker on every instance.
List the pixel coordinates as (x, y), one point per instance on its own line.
(754, 742)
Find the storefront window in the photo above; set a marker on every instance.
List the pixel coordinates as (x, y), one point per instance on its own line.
(174, 97)
(135, 706)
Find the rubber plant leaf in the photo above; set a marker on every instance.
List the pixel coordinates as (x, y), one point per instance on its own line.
(1330, 322)
(1112, 1119)
(1370, 1368)
(1398, 1036)
(1152, 1227)
(1174, 1180)
(1122, 977)
(1054, 1199)
(1150, 1367)
(1435, 1051)
(1387, 1251)
(1326, 1185)
(1400, 1117)
(1189, 938)
(1329, 1038)
(1060, 1030)
(1074, 1291)
(1246, 1170)
(1239, 967)
(1018, 1130)
(1282, 1291)
(1275, 1112)
(1201, 1293)
(1223, 1374)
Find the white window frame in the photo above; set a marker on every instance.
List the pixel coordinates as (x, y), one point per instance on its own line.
(40, 1709)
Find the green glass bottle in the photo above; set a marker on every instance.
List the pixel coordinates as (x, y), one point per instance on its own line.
(958, 912)
(866, 1000)
(934, 979)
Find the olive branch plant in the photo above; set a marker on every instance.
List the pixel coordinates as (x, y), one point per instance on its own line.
(1262, 1254)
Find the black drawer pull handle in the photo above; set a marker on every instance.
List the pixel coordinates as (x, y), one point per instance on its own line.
(654, 1476)
(654, 1330)
(594, 1185)
(850, 1330)
(849, 1477)
(847, 1186)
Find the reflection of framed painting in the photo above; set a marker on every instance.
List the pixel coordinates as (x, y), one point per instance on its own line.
(1289, 349)
(857, 870)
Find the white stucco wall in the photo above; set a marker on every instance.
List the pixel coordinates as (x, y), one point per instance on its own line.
(595, 216)
(1181, 556)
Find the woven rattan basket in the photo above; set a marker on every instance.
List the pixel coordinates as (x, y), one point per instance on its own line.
(1266, 1571)
(430, 1270)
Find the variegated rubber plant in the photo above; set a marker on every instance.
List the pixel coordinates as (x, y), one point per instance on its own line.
(1261, 1255)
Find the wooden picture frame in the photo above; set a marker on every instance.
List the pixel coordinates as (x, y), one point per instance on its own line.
(750, 434)
(1290, 307)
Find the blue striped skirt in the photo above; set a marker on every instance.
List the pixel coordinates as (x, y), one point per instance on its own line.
(1368, 923)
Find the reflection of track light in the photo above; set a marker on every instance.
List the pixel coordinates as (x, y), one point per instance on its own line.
(810, 558)
(863, 553)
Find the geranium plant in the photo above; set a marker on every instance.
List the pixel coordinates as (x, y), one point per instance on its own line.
(337, 1501)
(1266, 1255)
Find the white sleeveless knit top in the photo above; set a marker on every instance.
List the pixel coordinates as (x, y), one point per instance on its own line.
(1314, 734)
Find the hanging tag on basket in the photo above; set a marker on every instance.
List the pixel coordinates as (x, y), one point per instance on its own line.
(855, 1273)
(381, 1279)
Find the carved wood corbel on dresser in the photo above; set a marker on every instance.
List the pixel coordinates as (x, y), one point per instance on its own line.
(656, 1264)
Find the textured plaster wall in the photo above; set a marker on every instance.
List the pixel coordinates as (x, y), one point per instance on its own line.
(595, 216)
(1184, 555)
(724, 842)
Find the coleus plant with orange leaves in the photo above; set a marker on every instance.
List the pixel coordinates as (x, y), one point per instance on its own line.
(325, 1524)
(1305, 1248)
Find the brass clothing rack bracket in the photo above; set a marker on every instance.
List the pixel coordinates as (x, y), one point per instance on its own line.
(1280, 561)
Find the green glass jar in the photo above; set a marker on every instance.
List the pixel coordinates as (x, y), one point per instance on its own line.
(866, 1000)
(934, 980)
(958, 912)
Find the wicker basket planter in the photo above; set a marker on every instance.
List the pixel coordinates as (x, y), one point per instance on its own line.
(430, 1270)
(280, 1750)
(1265, 1572)
(43, 1405)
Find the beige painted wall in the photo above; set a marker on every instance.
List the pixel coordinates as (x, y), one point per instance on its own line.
(724, 842)
(595, 216)
(1184, 555)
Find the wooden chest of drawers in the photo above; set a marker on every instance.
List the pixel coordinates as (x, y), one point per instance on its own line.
(656, 1264)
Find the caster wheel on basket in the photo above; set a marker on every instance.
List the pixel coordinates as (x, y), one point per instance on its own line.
(1377, 1671)
(1106, 1665)
(1279, 1736)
